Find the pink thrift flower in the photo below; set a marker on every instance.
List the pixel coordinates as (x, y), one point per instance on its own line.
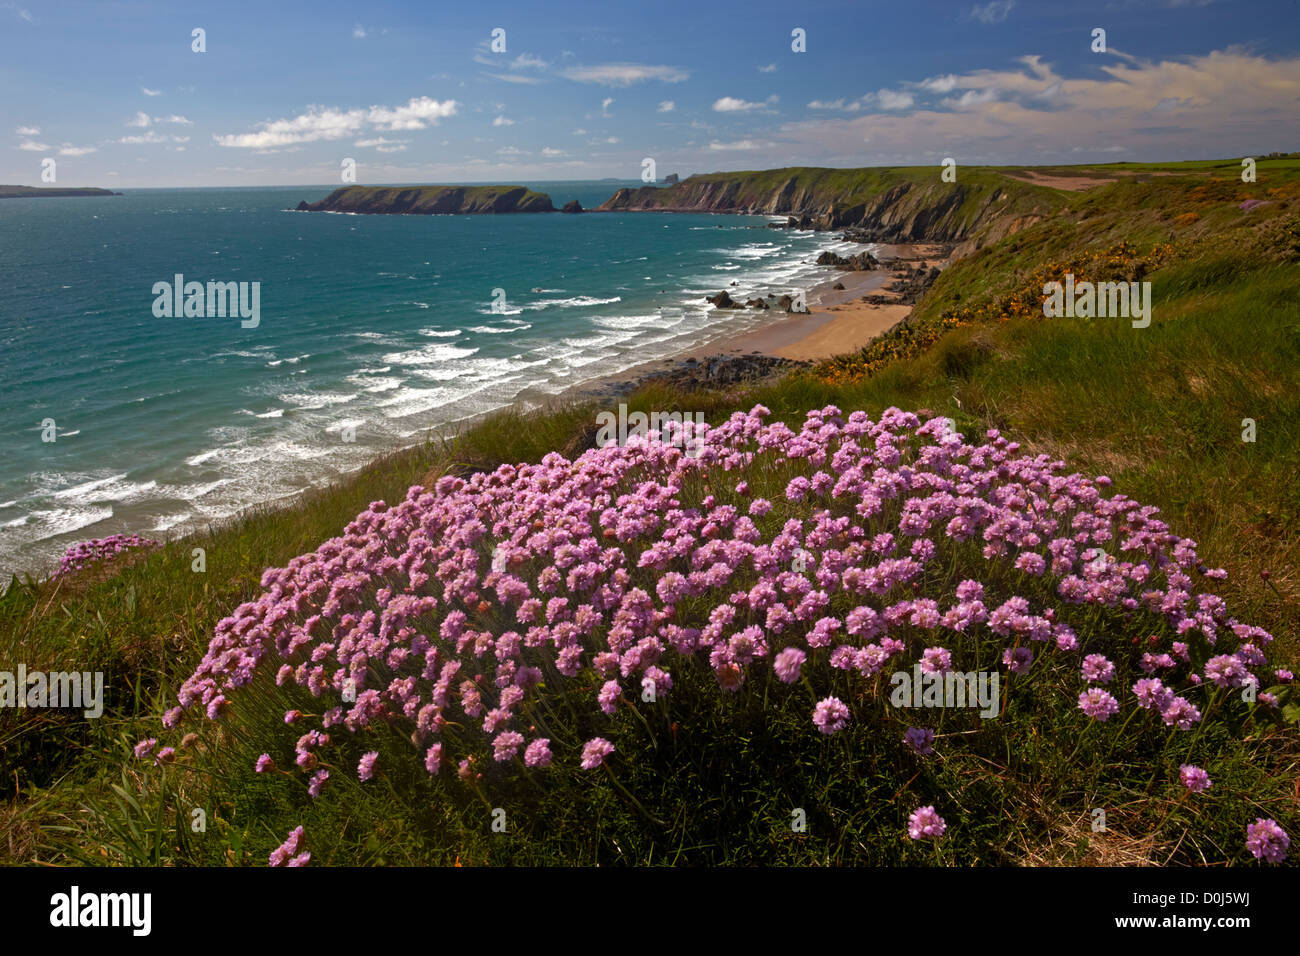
(1267, 841)
(1098, 704)
(1194, 778)
(595, 751)
(366, 767)
(925, 824)
(831, 715)
(538, 753)
(787, 664)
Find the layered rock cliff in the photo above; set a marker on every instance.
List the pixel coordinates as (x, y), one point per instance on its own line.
(885, 205)
(431, 200)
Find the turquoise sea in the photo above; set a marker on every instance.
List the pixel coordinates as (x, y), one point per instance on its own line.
(377, 328)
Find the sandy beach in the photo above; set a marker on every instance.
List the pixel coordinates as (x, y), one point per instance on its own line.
(837, 321)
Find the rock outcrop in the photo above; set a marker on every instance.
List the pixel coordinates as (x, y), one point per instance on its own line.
(861, 262)
(573, 206)
(431, 200)
(879, 205)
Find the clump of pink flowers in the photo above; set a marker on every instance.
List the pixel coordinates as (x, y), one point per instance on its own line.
(1267, 841)
(97, 550)
(446, 615)
(288, 852)
(925, 824)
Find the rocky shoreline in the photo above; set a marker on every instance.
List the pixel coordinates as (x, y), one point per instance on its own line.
(711, 372)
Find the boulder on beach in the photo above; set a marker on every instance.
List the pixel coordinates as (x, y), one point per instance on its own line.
(787, 304)
(861, 262)
(722, 300)
(756, 304)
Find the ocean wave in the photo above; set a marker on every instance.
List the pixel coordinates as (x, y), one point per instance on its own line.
(108, 489)
(309, 401)
(606, 340)
(52, 523)
(440, 333)
(495, 330)
(624, 322)
(428, 354)
(167, 522)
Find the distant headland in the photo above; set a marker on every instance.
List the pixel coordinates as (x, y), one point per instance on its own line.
(23, 192)
(431, 200)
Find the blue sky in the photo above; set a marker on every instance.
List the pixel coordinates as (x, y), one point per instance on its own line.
(413, 92)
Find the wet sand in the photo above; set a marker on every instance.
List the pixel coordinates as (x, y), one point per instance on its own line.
(837, 322)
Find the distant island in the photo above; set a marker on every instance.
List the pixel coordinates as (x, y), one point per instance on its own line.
(23, 192)
(431, 200)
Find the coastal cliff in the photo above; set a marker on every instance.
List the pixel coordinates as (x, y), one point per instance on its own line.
(23, 192)
(883, 205)
(431, 200)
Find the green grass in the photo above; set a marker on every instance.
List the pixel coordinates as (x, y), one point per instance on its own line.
(704, 778)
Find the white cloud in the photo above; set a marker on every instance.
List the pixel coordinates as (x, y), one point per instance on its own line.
(667, 106)
(359, 32)
(995, 11)
(624, 74)
(33, 147)
(939, 84)
(730, 104)
(19, 12)
(739, 144)
(503, 121)
(826, 105)
(327, 123)
(547, 151)
(153, 136)
(420, 112)
(525, 61)
(605, 104)
(1224, 101)
(579, 132)
(893, 100)
(514, 78)
(971, 98)
(148, 92)
(382, 144)
(318, 123)
(27, 131)
(143, 120)
(69, 150)
(770, 68)
(511, 151)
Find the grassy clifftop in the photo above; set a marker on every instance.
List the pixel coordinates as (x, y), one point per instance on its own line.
(707, 778)
(910, 203)
(431, 200)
